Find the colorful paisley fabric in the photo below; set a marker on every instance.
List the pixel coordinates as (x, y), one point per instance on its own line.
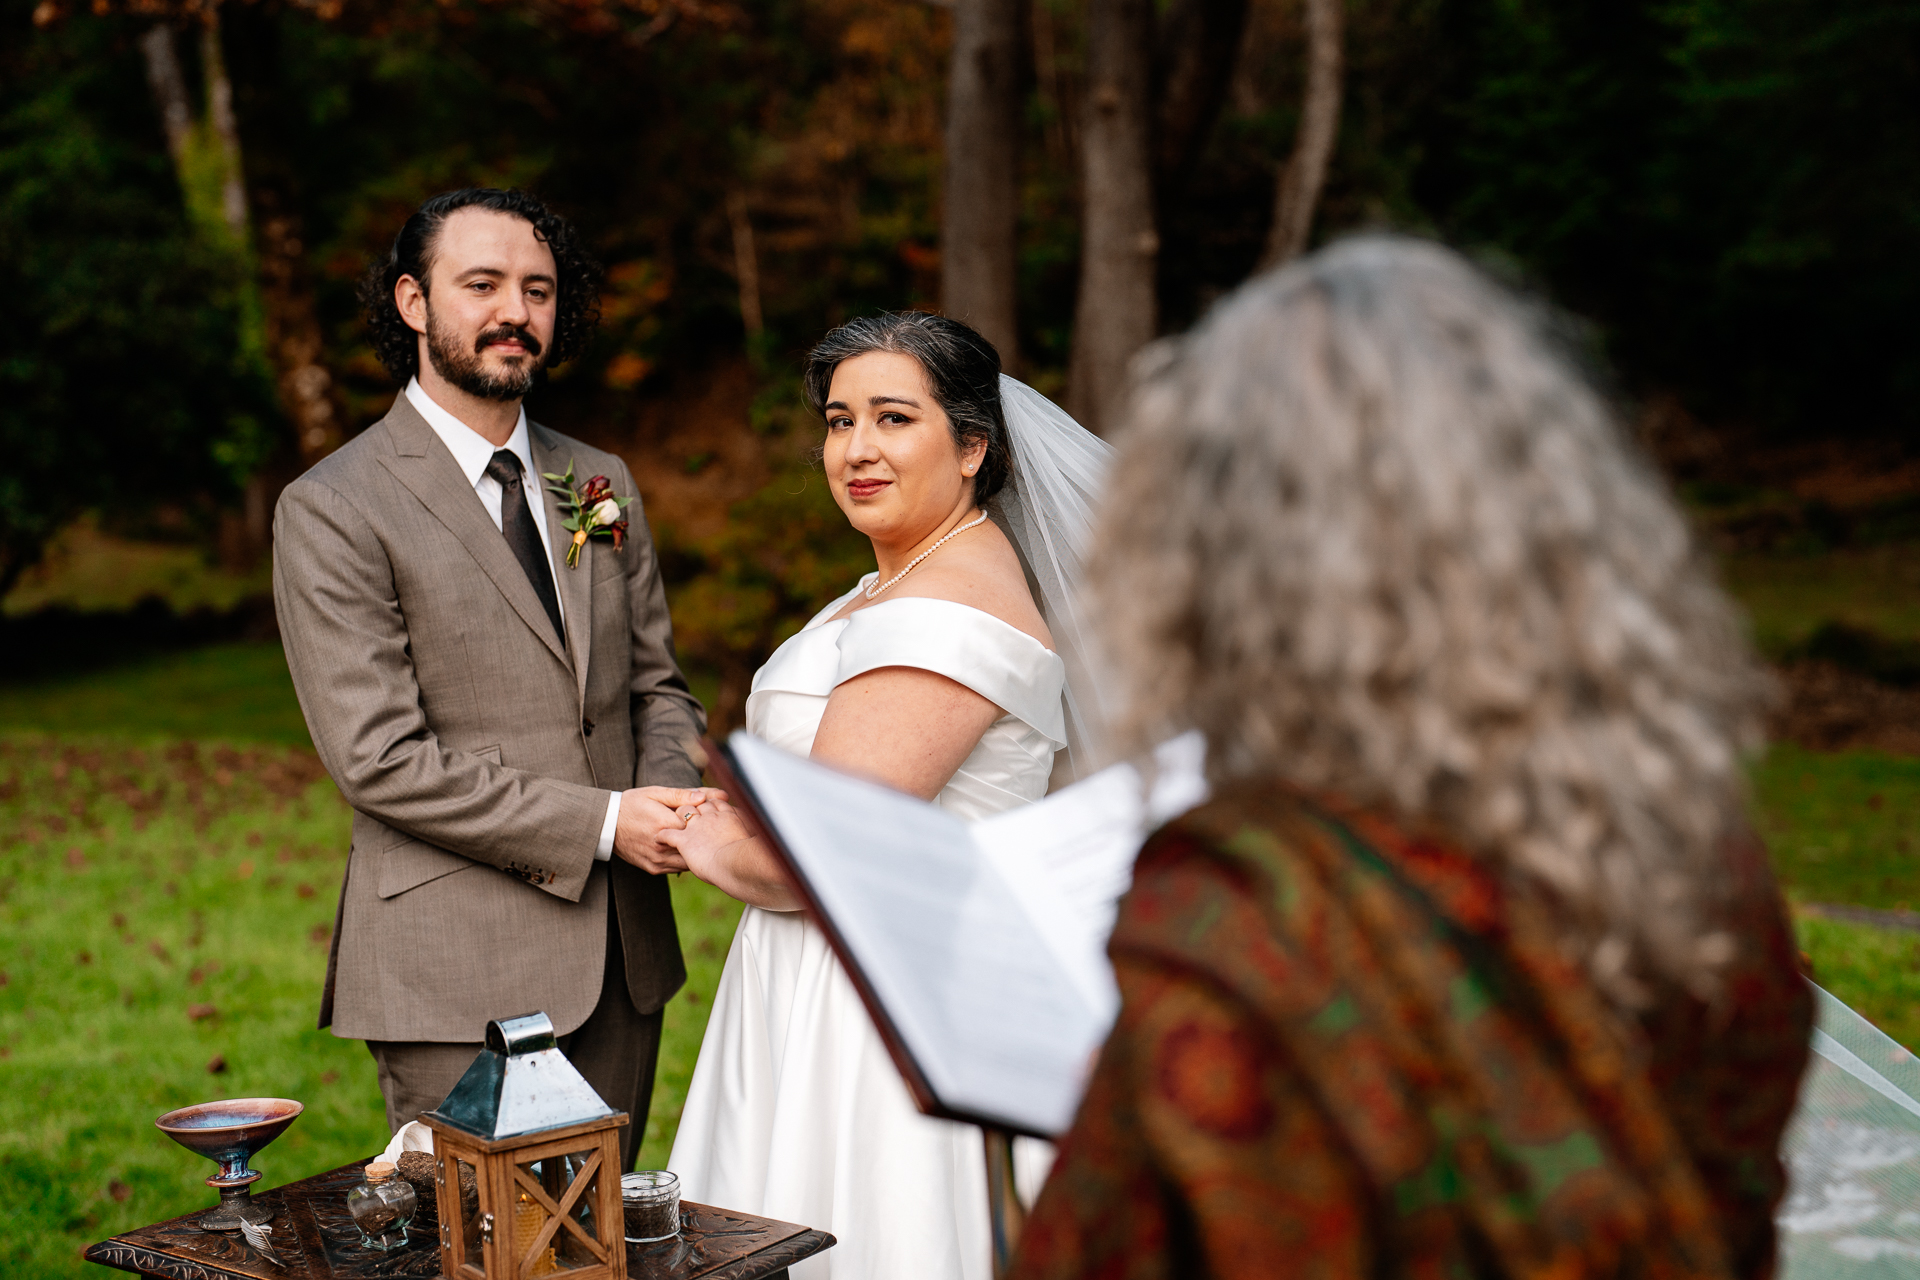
(1349, 1052)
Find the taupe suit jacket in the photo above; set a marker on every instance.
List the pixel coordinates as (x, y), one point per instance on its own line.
(476, 750)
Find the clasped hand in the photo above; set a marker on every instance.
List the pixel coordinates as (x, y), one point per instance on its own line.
(665, 829)
(649, 816)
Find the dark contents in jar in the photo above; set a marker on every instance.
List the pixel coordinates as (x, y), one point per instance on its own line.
(375, 1220)
(650, 1221)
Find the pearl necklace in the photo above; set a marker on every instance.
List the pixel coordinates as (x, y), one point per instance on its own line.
(977, 520)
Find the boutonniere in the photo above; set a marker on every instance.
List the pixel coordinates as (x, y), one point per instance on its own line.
(592, 511)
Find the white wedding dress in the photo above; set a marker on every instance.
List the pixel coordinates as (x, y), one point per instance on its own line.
(795, 1111)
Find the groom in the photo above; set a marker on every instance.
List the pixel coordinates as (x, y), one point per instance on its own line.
(512, 733)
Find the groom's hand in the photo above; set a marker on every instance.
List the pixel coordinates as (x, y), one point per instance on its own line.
(645, 812)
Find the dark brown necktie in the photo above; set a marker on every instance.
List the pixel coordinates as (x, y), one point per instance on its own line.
(516, 523)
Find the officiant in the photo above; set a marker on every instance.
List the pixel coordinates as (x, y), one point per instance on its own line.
(496, 698)
(1471, 966)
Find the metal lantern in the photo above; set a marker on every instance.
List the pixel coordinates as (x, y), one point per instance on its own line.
(527, 1165)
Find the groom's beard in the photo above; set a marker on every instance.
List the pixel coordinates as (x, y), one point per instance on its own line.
(465, 370)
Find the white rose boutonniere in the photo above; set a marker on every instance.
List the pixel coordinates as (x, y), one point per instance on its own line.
(593, 511)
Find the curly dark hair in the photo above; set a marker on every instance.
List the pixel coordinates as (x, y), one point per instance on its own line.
(395, 341)
(963, 372)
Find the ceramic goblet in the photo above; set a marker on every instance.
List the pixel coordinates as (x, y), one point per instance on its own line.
(229, 1133)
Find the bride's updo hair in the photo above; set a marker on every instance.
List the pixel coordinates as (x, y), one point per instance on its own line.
(962, 369)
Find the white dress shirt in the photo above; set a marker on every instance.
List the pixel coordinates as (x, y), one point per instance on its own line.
(471, 453)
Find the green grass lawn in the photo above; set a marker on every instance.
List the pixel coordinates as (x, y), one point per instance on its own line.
(227, 692)
(1877, 971)
(165, 901)
(164, 917)
(1842, 827)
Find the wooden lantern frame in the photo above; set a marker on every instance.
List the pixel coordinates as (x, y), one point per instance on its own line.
(496, 1166)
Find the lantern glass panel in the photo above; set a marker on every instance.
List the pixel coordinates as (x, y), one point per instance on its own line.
(473, 1252)
(569, 1184)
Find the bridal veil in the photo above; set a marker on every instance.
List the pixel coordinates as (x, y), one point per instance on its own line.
(1047, 509)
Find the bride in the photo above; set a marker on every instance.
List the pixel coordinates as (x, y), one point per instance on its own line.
(938, 675)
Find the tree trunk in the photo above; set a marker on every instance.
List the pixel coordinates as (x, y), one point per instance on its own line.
(746, 267)
(226, 130)
(169, 86)
(1305, 172)
(1197, 43)
(295, 345)
(1117, 312)
(977, 259)
(294, 341)
(246, 534)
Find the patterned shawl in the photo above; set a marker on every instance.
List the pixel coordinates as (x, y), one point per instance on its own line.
(1348, 1052)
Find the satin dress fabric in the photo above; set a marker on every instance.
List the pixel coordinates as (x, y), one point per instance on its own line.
(796, 1111)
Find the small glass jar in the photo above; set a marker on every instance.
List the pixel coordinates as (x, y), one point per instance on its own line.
(651, 1201)
(382, 1206)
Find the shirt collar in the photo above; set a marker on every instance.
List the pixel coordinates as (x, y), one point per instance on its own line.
(471, 450)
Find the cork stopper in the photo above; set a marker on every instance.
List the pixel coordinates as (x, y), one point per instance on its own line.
(379, 1171)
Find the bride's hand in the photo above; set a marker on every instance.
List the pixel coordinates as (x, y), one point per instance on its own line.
(717, 847)
(711, 828)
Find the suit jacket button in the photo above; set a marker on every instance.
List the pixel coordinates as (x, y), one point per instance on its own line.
(586, 727)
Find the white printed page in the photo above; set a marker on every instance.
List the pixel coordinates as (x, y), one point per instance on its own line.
(978, 996)
(1069, 858)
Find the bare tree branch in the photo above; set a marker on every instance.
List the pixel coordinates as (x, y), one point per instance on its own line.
(1305, 173)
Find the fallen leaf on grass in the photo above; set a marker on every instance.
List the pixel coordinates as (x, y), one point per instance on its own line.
(119, 1190)
(217, 1064)
(201, 1012)
(304, 890)
(85, 957)
(329, 1077)
(76, 859)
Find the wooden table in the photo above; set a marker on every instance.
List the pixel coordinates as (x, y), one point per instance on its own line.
(317, 1240)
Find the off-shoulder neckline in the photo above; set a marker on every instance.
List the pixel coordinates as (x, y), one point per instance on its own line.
(936, 600)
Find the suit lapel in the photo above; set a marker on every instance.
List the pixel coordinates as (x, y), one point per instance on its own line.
(423, 464)
(576, 585)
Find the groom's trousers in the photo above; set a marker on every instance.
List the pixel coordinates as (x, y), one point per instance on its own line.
(615, 1049)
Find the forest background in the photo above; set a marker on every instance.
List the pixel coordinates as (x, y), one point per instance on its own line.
(1721, 196)
(1722, 190)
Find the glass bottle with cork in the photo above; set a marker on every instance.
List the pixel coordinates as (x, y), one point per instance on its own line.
(382, 1206)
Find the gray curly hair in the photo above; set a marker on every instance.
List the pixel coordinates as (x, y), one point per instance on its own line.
(1372, 532)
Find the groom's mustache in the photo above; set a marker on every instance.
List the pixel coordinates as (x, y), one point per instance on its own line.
(507, 333)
